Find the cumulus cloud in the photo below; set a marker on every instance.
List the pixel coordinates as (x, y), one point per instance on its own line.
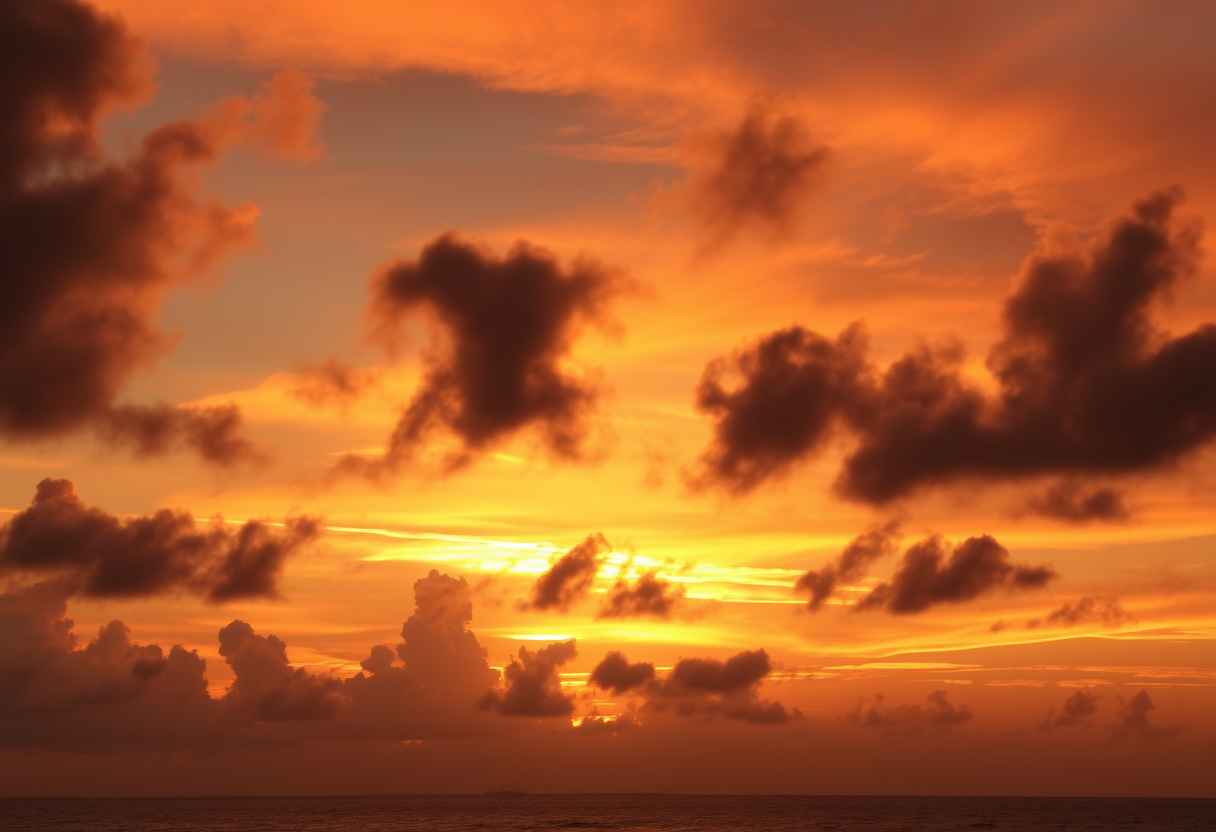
(927, 577)
(1078, 710)
(92, 244)
(104, 556)
(509, 324)
(937, 714)
(533, 684)
(649, 595)
(570, 578)
(619, 675)
(1087, 383)
(267, 685)
(819, 584)
(1135, 718)
(698, 687)
(282, 119)
(1072, 502)
(762, 173)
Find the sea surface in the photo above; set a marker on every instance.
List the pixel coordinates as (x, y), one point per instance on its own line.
(490, 813)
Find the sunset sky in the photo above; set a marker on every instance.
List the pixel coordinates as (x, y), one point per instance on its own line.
(680, 396)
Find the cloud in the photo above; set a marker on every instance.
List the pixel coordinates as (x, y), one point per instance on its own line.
(570, 578)
(762, 172)
(925, 577)
(1135, 720)
(283, 119)
(937, 714)
(1087, 383)
(1074, 503)
(267, 686)
(332, 383)
(1078, 710)
(212, 432)
(794, 387)
(533, 685)
(619, 675)
(698, 687)
(649, 595)
(1107, 611)
(91, 244)
(509, 325)
(104, 556)
(863, 550)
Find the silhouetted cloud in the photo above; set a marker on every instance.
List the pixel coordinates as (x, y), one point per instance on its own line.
(213, 432)
(619, 675)
(925, 577)
(938, 714)
(90, 244)
(763, 172)
(1071, 501)
(863, 550)
(697, 687)
(570, 578)
(1134, 720)
(268, 686)
(649, 595)
(1107, 611)
(794, 387)
(509, 324)
(108, 557)
(533, 686)
(1078, 709)
(1087, 383)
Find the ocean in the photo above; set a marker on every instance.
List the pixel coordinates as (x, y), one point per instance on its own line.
(630, 813)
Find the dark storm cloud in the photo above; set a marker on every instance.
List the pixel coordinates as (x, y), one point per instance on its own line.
(105, 556)
(570, 578)
(763, 172)
(509, 324)
(1106, 611)
(212, 432)
(1078, 710)
(90, 245)
(619, 675)
(863, 550)
(926, 577)
(1073, 502)
(533, 684)
(795, 388)
(1087, 383)
(649, 595)
(937, 714)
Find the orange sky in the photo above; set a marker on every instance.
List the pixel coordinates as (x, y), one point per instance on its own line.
(690, 179)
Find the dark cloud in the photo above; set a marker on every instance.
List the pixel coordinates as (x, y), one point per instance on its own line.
(508, 323)
(710, 687)
(1107, 611)
(332, 383)
(570, 578)
(794, 387)
(1072, 502)
(533, 684)
(1087, 383)
(90, 244)
(762, 174)
(214, 433)
(649, 595)
(1078, 709)
(937, 714)
(926, 577)
(619, 675)
(863, 550)
(107, 557)
(1135, 721)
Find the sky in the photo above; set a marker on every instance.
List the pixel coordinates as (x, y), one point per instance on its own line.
(701, 397)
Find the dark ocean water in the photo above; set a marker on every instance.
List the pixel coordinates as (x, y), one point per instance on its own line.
(491, 813)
